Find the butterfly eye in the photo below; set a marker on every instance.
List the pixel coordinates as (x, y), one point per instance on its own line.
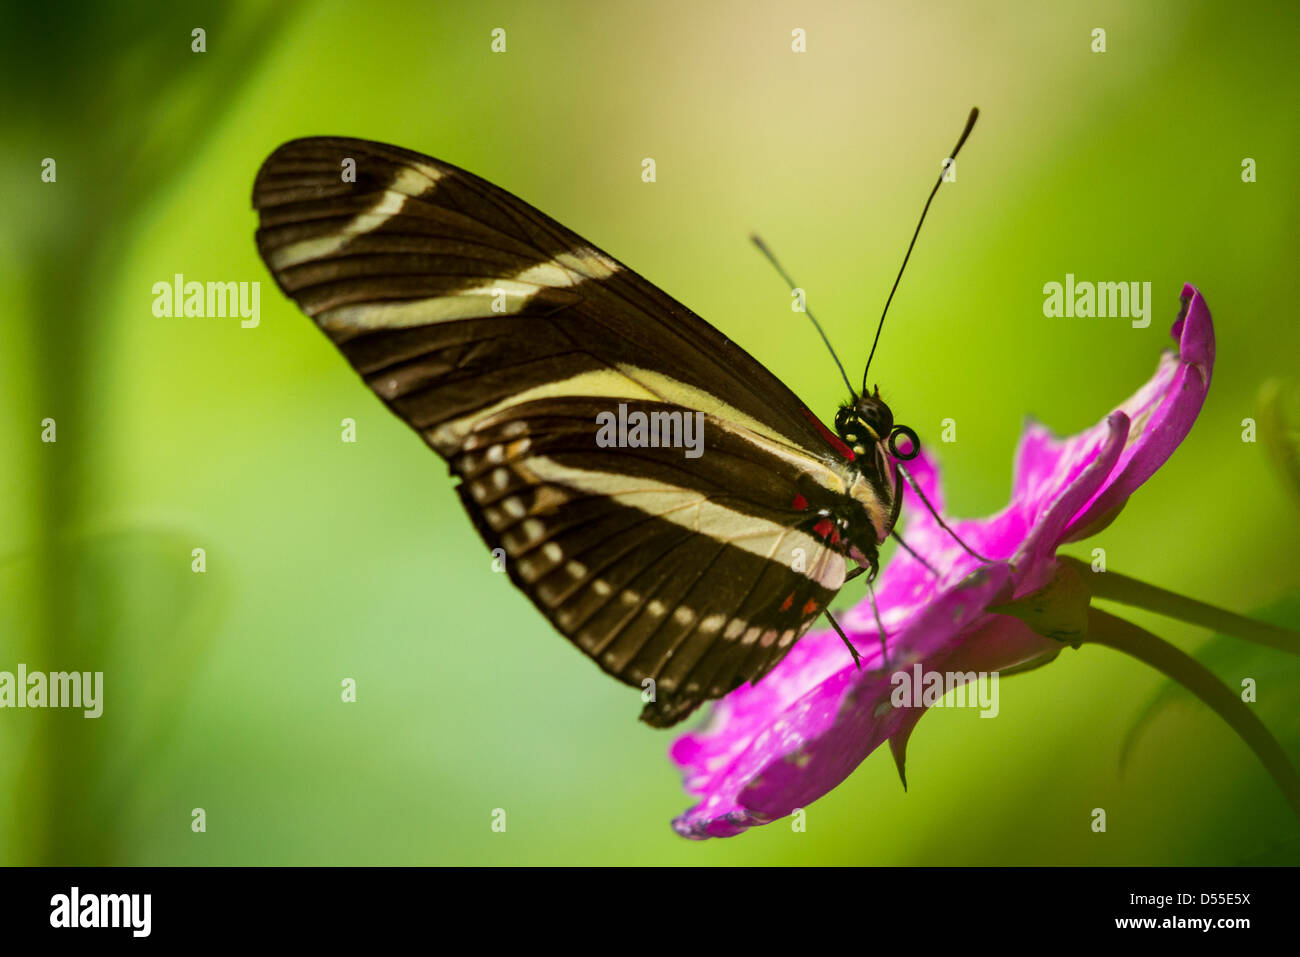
(914, 444)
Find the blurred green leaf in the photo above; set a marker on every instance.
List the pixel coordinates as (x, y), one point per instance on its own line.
(1279, 428)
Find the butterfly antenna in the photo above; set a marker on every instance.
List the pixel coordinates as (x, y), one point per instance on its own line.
(762, 247)
(970, 125)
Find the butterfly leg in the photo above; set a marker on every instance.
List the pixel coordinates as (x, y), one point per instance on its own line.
(872, 570)
(867, 563)
(908, 548)
(880, 627)
(857, 658)
(880, 630)
(942, 524)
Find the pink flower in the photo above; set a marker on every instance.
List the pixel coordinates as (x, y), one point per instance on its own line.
(779, 745)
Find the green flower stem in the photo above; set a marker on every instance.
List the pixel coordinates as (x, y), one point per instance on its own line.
(1105, 629)
(1129, 591)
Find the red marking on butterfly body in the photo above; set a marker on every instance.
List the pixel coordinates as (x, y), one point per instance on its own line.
(827, 530)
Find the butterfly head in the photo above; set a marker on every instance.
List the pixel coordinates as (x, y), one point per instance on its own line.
(868, 421)
(865, 421)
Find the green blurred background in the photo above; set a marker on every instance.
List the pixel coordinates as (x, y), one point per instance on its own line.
(327, 560)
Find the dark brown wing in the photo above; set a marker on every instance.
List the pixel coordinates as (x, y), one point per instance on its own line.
(656, 565)
(500, 337)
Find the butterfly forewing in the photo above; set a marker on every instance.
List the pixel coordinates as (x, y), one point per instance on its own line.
(501, 337)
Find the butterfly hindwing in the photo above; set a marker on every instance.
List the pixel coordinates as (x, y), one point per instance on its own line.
(647, 562)
(500, 337)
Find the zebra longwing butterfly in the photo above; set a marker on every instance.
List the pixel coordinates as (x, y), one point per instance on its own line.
(502, 338)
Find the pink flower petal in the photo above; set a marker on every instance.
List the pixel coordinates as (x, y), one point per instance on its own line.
(1162, 414)
(751, 772)
(1034, 557)
(786, 741)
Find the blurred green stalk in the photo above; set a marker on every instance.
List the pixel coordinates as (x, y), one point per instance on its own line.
(123, 106)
